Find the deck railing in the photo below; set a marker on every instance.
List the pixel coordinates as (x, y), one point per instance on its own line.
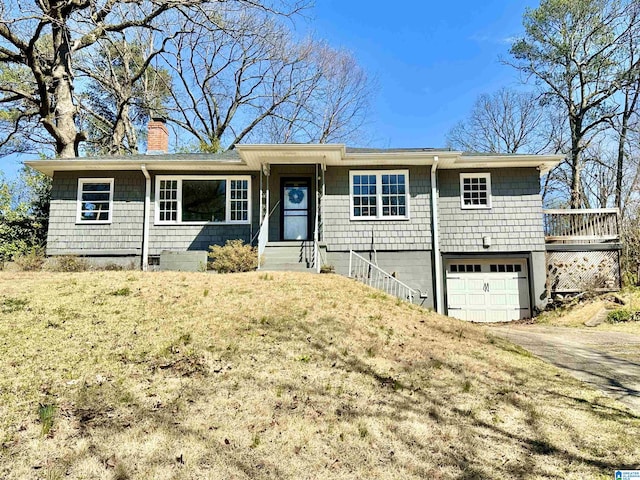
(583, 225)
(366, 272)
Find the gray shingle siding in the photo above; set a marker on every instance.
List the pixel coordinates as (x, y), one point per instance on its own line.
(122, 236)
(194, 237)
(514, 221)
(341, 233)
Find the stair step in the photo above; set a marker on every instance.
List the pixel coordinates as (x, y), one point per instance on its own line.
(288, 256)
(285, 260)
(287, 267)
(295, 243)
(280, 253)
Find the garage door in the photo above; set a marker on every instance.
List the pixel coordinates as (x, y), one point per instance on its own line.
(495, 290)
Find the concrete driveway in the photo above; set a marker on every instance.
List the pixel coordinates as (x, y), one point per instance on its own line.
(609, 361)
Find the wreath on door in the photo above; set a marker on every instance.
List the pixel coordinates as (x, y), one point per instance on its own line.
(296, 196)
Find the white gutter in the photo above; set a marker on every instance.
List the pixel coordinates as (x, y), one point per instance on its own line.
(147, 209)
(437, 261)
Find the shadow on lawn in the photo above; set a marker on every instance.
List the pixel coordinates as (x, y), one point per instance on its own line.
(616, 376)
(465, 434)
(465, 452)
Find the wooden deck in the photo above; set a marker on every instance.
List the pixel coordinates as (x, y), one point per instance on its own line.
(583, 250)
(597, 225)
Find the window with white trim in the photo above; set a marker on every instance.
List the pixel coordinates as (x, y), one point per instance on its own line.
(95, 200)
(202, 199)
(475, 190)
(379, 194)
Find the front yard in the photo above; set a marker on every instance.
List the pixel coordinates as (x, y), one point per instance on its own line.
(180, 376)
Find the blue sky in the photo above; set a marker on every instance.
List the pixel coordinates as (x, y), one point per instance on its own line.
(431, 60)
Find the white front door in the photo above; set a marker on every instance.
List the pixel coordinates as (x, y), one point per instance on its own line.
(295, 209)
(493, 290)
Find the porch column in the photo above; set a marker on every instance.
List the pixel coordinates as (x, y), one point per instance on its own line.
(264, 194)
(322, 170)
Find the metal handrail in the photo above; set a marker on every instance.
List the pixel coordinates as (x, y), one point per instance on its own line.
(366, 272)
(316, 245)
(266, 218)
(263, 233)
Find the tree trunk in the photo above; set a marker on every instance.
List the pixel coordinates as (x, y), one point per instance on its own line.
(66, 132)
(630, 103)
(622, 140)
(119, 131)
(576, 165)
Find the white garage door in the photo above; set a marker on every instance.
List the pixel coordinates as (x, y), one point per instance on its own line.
(495, 290)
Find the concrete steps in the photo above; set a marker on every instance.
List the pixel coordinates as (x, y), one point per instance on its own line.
(288, 256)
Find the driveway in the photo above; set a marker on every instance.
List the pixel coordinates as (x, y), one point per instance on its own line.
(609, 361)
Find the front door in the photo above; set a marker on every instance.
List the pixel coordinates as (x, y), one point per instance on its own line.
(296, 208)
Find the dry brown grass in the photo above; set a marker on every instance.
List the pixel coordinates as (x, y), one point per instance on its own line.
(572, 316)
(191, 376)
(576, 315)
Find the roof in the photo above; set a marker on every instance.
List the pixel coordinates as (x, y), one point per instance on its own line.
(255, 156)
(393, 150)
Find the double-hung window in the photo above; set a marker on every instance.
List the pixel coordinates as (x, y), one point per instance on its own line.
(95, 200)
(475, 190)
(379, 194)
(203, 199)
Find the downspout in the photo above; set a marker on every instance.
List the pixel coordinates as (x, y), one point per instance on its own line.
(147, 208)
(437, 260)
(316, 234)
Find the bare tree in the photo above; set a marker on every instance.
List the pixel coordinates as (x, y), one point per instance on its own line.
(251, 81)
(334, 107)
(630, 93)
(630, 188)
(123, 88)
(507, 121)
(574, 52)
(44, 38)
(510, 121)
(227, 81)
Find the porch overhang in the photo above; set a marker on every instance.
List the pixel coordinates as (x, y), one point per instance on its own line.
(255, 155)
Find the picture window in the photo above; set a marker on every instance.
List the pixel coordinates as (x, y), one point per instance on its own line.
(203, 199)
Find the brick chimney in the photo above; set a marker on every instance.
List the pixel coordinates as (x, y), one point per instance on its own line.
(157, 136)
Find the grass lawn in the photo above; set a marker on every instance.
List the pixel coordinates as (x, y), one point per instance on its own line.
(125, 375)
